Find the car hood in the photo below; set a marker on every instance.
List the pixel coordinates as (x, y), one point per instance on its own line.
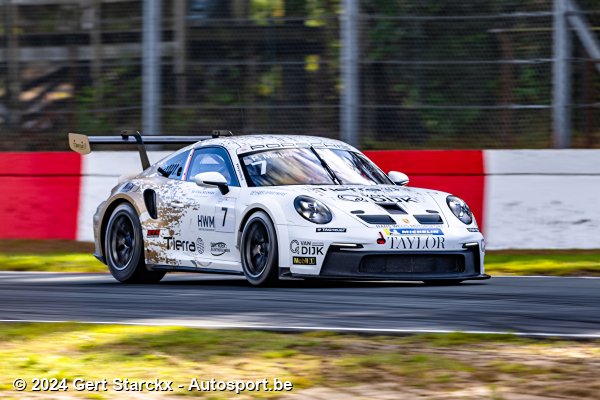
(404, 205)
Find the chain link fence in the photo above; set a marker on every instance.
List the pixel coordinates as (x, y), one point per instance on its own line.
(433, 74)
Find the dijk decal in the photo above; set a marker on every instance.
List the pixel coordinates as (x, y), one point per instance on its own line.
(306, 248)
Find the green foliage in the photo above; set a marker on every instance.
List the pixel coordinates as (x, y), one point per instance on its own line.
(120, 91)
(262, 11)
(448, 95)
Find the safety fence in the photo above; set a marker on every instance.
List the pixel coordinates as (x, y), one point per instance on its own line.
(427, 74)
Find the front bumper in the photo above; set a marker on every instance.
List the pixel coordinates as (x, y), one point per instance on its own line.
(455, 254)
(341, 263)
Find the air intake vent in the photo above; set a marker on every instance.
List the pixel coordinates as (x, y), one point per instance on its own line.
(390, 264)
(392, 208)
(429, 219)
(377, 219)
(150, 201)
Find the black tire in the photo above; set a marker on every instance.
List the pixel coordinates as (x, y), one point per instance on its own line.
(260, 259)
(443, 282)
(124, 248)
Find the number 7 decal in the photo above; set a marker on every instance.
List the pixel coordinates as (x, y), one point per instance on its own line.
(225, 214)
(227, 219)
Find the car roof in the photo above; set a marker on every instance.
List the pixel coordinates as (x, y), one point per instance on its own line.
(246, 143)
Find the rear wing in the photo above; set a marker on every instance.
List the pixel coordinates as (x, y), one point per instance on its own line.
(82, 143)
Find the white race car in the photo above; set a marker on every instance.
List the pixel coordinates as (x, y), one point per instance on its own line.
(276, 207)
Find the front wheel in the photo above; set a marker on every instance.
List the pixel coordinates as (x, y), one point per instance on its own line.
(124, 248)
(259, 250)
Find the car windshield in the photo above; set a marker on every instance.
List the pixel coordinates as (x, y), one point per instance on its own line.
(304, 166)
(352, 168)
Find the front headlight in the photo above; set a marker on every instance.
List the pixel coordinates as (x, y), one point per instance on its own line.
(312, 210)
(460, 209)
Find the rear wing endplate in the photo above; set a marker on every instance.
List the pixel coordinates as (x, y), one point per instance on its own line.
(82, 143)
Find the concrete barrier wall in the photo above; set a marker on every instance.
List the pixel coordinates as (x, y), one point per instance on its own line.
(538, 199)
(523, 199)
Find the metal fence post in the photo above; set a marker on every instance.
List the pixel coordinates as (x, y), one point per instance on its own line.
(350, 97)
(151, 67)
(561, 77)
(13, 84)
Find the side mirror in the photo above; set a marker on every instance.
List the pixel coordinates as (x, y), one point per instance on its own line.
(212, 179)
(398, 178)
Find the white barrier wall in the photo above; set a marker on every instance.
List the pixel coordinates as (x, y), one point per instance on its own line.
(542, 199)
(533, 199)
(101, 172)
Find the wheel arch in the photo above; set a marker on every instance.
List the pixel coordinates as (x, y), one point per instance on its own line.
(246, 216)
(106, 217)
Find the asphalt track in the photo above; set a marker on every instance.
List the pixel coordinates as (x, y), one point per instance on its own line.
(522, 305)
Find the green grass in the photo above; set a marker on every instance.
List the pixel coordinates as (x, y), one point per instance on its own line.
(66, 256)
(435, 363)
(549, 263)
(51, 262)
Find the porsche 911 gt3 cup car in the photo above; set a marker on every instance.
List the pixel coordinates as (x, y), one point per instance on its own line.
(272, 207)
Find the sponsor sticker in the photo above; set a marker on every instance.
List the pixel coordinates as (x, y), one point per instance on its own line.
(305, 260)
(413, 231)
(153, 233)
(218, 249)
(331, 229)
(350, 197)
(266, 193)
(473, 229)
(306, 248)
(378, 195)
(200, 245)
(240, 174)
(377, 198)
(417, 242)
(206, 222)
(183, 245)
(127, 187)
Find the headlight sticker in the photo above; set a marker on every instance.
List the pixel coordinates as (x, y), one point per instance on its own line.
(331, 229)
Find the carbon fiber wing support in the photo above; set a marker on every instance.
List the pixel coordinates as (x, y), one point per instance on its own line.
(82, 143)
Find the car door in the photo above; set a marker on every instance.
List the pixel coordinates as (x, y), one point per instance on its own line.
(209, 218)
(167, 246)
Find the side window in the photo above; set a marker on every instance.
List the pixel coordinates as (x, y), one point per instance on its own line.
(175, 165)
(212, 159)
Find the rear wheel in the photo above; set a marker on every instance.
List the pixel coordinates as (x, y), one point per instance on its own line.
(124, 248)
(259, 250)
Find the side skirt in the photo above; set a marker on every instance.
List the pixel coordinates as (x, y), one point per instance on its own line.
(172, 268)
